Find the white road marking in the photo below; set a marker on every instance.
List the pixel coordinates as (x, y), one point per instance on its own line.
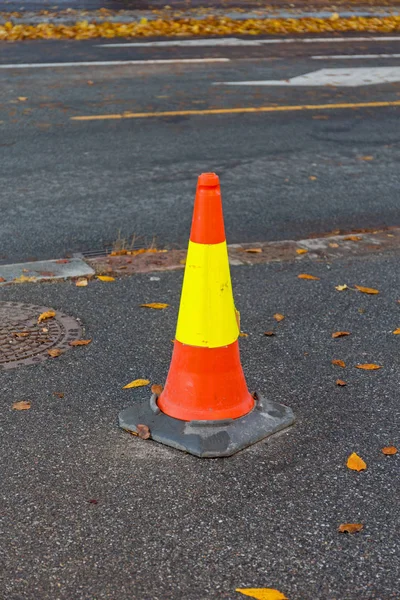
(112, 63)
(246, 42)
(352, 56)
(352, 77)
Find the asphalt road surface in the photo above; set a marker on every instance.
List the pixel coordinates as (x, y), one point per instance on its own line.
(91, 150)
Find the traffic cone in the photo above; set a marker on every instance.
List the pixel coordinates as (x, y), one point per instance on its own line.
(205, 407)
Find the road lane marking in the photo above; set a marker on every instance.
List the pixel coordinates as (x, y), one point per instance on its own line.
(352, 77)
(113, 63)
(228, 111)
(245, 42)
(353, 56)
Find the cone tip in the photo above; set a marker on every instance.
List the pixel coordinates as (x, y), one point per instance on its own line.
(208, 180)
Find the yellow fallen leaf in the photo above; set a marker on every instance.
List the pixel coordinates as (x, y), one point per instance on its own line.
(262, 593)
(350, 527)
(22, 405)
(253, 250)
(306, 276)
(80, 342)
(156, 305)
(369, 367)
(333, 245)
(24, 279)
(301, 251)
(278, 317)
(182, 261)
(105, 278)
(341, 288)
(136, 383)
(340, 382)
(356, 463)
(366, 158)
(22, 98)
(366, 290)
(156, 388)
(389, 450)
(339, 334)
(352, 238)
(49, 314)
(54, 352)
(312, 178)
(396, 331)
(339, 363)
(334, 16)
(82, 282)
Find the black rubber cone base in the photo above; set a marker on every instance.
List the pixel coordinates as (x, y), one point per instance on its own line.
(208, 439)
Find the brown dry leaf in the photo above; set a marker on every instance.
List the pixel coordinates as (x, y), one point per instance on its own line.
(2, 279)
(22, 405)
(269, 333)
(278, 317)
(105, 278)
(89, 82)
(389, 450)
(366, 158)
(369, 367)
(306, 276)
(340, 382)
(339, 334)
(312, 178)
(143, 431)
(333, 245)
(262, 593)
(54, 352)
(253, 250)
(58, 394)
(243, 334)
(352, 238)
(156, 305)
(156, 388)
(82, 282)
(62, 261)
(49, 314)
(21, 334)
(350, 527)
(366, 290)
(341, 288)
(396, 331)
(80, 342)
(301, 251)
(136, 383)
(356, 463)
(339, 363)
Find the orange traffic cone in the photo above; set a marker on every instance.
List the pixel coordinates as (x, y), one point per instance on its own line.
(205, 407)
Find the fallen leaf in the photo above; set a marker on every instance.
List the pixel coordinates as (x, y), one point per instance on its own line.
(156, 305)
(183, 261)
(243, 334)
(396, 331)
(339, 363)
(306, 276)
(90, 82)
(143, 431)
(352, 238)
(334, 16)
(82, 282)
(366, 290)
(2, 279)
(389, 450)
(62, 261)
(136, 383)
(269, 333)
(262, 593)
(278, 317)
(93, 501)
(369, 367)
(253, 250)
(340, 382)
(366, 158)
(333, 245)
(22, 98)
(21, 334)
(49, 314)
(312, 178)
(58, 394)
(356, 463)
(46, 273)
(24, 279)
(45, 330)
(22, 405)
(54, 352)
(339, 334)
(80, 342)
(156, 388)
(301, 251)
(341, 288)
(350, 527)
(105, 278)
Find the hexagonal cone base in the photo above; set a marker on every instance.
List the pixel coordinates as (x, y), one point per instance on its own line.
(208, 439)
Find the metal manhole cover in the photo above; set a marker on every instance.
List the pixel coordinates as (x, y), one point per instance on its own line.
(25, 342)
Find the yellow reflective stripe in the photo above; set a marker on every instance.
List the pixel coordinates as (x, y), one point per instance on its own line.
(207, 315)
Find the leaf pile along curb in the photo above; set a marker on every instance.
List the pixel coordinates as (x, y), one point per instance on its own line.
(212, 25)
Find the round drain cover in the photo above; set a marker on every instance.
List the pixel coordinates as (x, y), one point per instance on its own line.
(25, 342)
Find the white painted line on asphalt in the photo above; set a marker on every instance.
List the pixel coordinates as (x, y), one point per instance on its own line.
(354, 56)
(352, 77)
(245, 42)
(112, 63)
